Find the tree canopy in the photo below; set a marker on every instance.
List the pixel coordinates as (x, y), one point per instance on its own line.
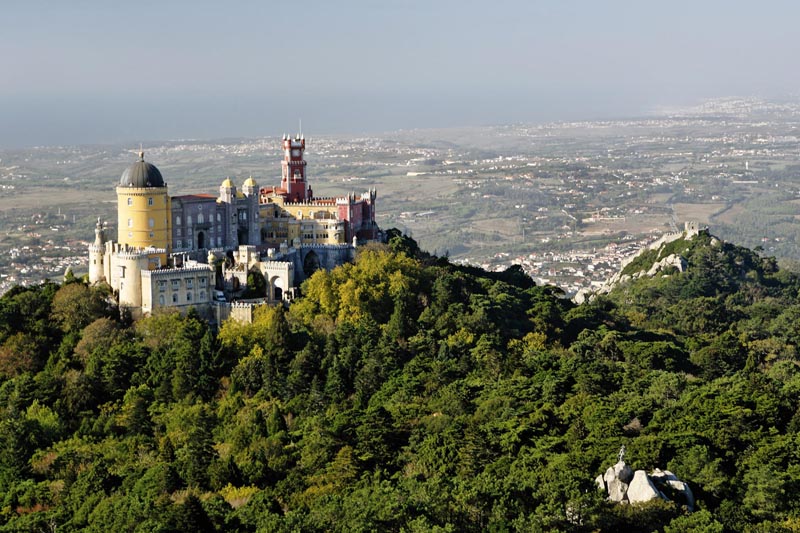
(406, 393)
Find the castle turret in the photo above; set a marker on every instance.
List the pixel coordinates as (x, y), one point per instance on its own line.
(293, 166)
(250, 192)
(249, 187)
(227, 191)
(96, 254)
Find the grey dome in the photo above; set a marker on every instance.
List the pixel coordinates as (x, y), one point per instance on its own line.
(141, 174)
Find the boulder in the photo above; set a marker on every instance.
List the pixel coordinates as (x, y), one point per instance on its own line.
(610, 475)
(684, 489)
(623, 472)
(617, 490)
(663, 476)
(642, 489)
(600, 483)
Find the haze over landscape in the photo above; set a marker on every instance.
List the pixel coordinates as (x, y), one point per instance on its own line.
(528, 266)
(98, 72)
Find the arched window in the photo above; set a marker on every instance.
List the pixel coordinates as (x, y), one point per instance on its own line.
(160, 299)
(174, 298)
(178, 220)
(130, 201)
(200, 218)
(189, 219)
(188, 296)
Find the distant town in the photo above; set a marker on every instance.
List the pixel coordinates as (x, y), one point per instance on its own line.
(567, 201)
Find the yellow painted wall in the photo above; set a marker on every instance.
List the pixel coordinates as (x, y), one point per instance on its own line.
(134, 216)
(289, 220)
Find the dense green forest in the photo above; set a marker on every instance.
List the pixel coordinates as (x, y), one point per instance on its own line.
(405, 393)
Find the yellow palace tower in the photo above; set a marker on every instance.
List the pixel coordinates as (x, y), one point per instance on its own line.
(144, 211)
(135, 265)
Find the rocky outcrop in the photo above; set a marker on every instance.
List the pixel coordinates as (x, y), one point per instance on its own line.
(660, 265)
(642, 489)
(673, 260)
(623, 485)
(673, 488)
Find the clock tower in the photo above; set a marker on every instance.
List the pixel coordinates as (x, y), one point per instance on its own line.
(293, 179)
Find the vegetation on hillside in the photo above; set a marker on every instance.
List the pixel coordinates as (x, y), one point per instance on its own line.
(405, 393)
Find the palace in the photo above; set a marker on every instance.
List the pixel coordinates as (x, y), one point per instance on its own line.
(198, 250)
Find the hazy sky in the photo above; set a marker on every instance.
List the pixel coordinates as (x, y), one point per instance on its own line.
(109, 71)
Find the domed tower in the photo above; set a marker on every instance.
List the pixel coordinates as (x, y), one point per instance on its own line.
(143, 209)
(249, 187)
(227, 191)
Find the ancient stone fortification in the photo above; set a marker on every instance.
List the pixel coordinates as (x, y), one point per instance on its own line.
(691, 230)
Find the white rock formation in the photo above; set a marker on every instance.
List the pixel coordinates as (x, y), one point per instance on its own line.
(642, 489)
(625, 486)
(680, 486)
(617, 490)
(673, 260)
(600, 483)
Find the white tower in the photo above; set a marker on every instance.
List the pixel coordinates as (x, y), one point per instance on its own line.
(97, 254)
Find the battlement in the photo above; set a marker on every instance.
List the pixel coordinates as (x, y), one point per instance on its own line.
(274, 264)
(172, 271)
(131, 254)
(339, 246)
(247, 304)
(311, 202)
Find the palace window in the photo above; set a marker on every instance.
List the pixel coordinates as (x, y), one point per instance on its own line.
(130, 222)
(174, 298)
(130, 201)
(149, 201)
(200, 218)
(176, 284)
(161, 299)
(188, 296)
(162, 286)
(178, 220)
(202, 295)
(151, 223)
(189, 283)
(189, 219)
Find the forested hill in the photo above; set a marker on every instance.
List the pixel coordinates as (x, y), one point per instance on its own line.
(404, 393)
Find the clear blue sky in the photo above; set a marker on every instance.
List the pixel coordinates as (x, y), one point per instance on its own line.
(105, 71)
